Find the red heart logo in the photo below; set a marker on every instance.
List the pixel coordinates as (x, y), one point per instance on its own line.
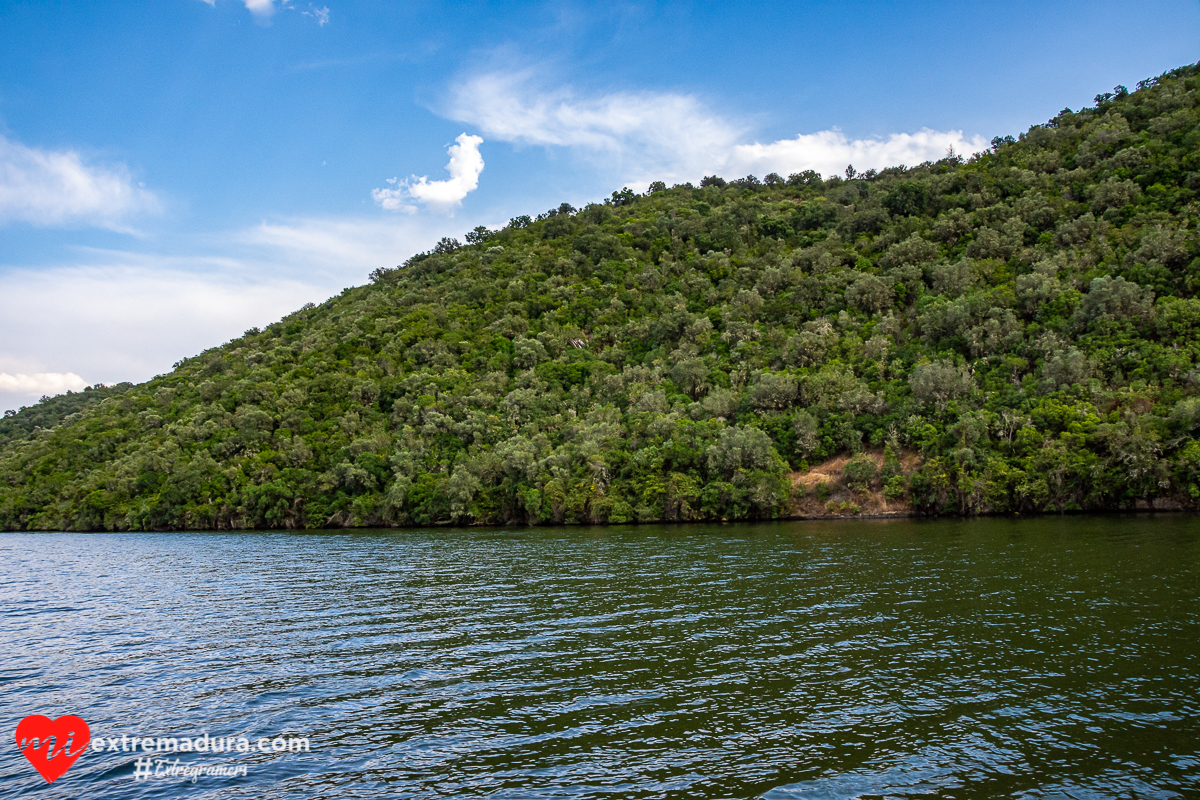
(46, 743)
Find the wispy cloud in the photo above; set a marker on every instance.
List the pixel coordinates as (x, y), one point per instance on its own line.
(345, 250)
(353, 61)
(650, 134)
(264, 10)
(665, 136)
(126, 322)
(127, 316)
(52, 188)
(466, 163)
(321, 15)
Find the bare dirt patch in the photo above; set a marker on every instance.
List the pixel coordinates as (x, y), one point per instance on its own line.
(822, 490)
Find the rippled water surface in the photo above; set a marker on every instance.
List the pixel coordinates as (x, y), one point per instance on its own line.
(990, 658)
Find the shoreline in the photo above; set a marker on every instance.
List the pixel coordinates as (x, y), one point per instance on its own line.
(898, 515)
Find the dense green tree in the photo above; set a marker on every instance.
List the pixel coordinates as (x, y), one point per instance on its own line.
(1015, 331)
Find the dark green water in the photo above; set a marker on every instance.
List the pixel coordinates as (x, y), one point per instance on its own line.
(1053, 657)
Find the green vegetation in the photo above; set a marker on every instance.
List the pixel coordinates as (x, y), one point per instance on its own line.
(1023, 326)
(53, 411)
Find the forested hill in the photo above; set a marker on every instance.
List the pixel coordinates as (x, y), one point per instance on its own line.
(1017, 332)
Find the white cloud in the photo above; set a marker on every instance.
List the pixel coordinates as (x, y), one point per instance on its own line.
(663, 136)
(650, 134)
(40, 383)
(830, 152)
(56, 188)
(394, 199)
(262, 9)
(510, 107)
(123, 316)
(321, 15)
(120, 323)
(466, 163)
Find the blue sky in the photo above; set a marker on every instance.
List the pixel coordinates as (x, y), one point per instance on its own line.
(172, 173)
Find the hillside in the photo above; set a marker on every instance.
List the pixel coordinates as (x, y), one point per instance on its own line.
(1017, 332)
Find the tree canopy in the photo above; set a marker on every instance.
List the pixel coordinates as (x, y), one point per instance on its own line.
(1023, 326)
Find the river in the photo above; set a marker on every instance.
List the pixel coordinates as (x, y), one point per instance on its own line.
(990, 658)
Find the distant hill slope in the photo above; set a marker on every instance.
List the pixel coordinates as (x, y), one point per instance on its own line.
(50, 412)
(1017, 332)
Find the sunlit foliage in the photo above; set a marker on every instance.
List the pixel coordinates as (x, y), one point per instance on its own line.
(1025, 321)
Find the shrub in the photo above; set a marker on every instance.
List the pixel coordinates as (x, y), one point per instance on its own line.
(939, 382)
(895, 487)
(859, 472)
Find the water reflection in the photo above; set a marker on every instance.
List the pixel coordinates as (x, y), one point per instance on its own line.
(983, 658)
